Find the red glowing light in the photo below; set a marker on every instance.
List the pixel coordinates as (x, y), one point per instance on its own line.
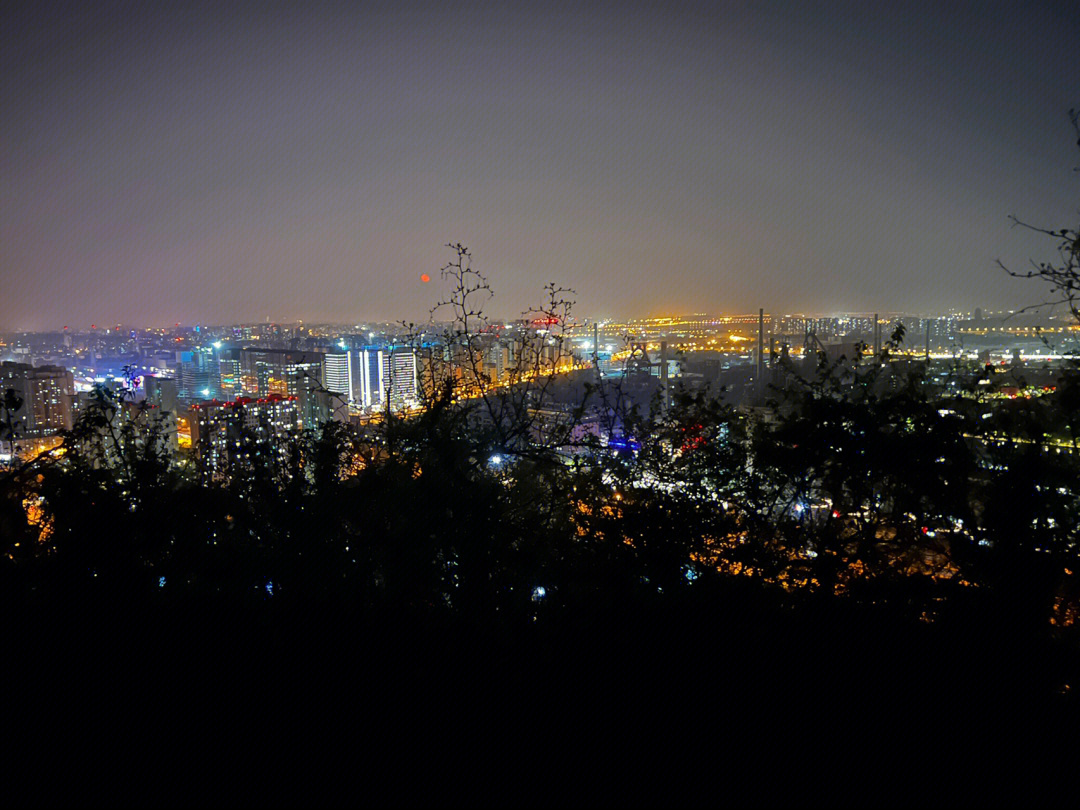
(424, 277)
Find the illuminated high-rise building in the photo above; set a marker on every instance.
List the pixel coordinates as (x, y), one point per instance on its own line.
(198, 374)
(386, 375)
(283, 372)
(161, 392)
(368, 382)
(287, 373)
(227, 434)
(497, 361)
(400, 379)
(229, 382)
(46, 393)
(339, 373)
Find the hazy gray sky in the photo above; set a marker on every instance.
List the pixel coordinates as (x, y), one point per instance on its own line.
(226, 162)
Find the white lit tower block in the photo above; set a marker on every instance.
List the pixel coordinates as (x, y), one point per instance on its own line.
(339, 373)
(369, 383)
(399, 378)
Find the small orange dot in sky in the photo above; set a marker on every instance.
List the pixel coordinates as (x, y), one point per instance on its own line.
(424, 277)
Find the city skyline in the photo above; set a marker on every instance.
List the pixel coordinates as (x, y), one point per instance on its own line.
(220, 164)
(579, 320)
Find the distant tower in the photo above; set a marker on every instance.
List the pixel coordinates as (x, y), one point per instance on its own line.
(877, 337)
(664, 374)
(760, 377)
(596, 349)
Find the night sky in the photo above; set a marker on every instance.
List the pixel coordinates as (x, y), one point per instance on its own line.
(223, 163)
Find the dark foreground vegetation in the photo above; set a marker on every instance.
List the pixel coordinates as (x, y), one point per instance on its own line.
(863, 591)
